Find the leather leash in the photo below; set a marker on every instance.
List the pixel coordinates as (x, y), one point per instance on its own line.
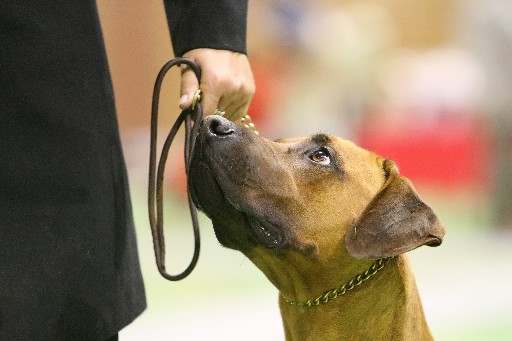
(192, 119)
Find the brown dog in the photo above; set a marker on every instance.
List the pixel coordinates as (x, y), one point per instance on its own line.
(312, 214)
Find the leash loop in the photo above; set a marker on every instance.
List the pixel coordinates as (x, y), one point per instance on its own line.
(192, 118)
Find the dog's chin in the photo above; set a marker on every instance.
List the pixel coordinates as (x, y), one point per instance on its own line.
(235, 225)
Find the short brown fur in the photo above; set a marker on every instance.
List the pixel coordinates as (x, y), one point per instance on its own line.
(328, 223)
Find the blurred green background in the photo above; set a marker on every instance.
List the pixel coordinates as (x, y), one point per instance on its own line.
(424, 82)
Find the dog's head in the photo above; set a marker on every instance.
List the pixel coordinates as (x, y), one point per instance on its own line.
(310, 195)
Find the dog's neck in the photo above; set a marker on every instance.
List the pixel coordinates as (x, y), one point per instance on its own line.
(342, 289)
(389, 300)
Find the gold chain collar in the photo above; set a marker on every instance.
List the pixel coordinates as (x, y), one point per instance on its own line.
(342, 290)
(247, 122)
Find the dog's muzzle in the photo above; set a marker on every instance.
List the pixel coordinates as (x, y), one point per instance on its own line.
(221, 175)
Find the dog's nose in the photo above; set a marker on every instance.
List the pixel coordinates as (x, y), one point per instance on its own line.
(219, 126)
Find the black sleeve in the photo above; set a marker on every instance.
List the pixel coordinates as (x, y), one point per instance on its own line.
(217, 24)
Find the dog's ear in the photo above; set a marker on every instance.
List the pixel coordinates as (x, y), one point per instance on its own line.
(395, 221)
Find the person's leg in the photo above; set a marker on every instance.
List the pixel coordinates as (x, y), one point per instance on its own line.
(68, 255)
(114, 338)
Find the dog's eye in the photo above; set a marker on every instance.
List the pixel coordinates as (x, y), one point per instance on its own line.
(321, 156)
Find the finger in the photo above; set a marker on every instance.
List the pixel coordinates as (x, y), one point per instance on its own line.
(188, 87)
(209, 101)
(236, 105)
(227, 104)
(236, 110)
(243, 111)
(238, 113)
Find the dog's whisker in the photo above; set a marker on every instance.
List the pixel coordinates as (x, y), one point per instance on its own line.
(242, 262)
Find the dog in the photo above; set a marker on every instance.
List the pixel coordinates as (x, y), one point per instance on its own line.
(312, 214)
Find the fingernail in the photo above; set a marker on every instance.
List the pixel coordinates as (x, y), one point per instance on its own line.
(183, 99)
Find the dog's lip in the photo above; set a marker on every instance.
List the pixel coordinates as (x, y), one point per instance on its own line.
(266, 233)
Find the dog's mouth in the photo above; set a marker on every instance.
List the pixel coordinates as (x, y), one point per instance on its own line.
(211, 198)
(266, 233)
(262, 230)
(223, 184)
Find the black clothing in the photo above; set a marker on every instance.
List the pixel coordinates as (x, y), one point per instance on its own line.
(68, 258)
(69, 268)
(217, 24)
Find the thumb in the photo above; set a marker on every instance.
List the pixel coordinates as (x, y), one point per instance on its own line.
(189, 86)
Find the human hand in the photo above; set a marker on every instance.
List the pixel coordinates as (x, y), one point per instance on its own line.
(227, 83)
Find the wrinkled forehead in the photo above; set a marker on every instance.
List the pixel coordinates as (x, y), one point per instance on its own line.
(338, 144)
(316, 140)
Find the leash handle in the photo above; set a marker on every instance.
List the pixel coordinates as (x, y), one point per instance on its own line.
(192, 118)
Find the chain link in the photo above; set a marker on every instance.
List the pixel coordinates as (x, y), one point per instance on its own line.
(342, 290)
(247, 122)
